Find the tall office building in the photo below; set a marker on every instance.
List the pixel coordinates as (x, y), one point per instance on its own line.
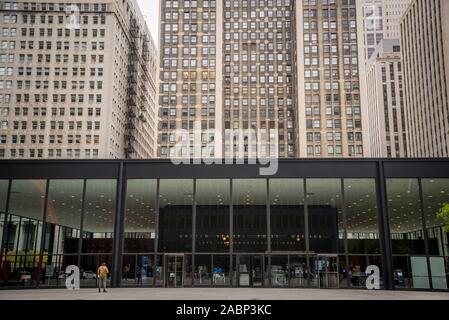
(386, 107)
(328, 88)
(76, 81)
(425, 47)
(377, 20)
(286, 68)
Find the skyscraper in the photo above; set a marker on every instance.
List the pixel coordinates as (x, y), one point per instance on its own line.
(386, 102)
(286, 68)
(76, 80)
(425, 47)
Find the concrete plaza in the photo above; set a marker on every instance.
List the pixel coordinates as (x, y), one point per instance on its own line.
(218, 294)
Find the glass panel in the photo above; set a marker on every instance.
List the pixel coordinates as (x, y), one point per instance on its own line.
(144, 270)
(159, 273)
(325, 215)
(212, 215)
(404, 208)
(27, 208)
(188, 275)
(299, 272)
(411, 272)
(98, 227)
(175, 216)
(279, 271)
(65, 199)
(129, 270)
(436, 196)
(3, 197)
(24, 231)
(356, 271)
(439, 276)
(250, 215)
(54, 270)
(362, 216)
(140, 216)
(89, 266)
(287, 215)
(203, 270)
(221, 271)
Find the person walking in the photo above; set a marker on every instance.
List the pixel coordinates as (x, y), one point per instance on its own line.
(102, 275)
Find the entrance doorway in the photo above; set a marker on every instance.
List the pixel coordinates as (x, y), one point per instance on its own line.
(174, 266)
(327, 271)
(250, 270)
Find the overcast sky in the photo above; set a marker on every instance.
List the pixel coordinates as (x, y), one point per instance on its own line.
(150, 9)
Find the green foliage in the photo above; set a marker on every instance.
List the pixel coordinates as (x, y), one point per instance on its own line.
(443, 215)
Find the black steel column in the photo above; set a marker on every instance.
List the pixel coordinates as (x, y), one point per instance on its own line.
(384, 228)
(268, 213)
(119, 227)
(5, 223)
(80, 241)
(44, 234)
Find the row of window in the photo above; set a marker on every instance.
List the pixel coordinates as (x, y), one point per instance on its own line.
(42, 111)
(48, 45)
(52, 139)
(56, 97)
(59, 58)
(51, 153)
(54, 125)
(42, 6)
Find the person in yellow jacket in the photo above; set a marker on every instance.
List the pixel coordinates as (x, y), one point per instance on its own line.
(102, 275)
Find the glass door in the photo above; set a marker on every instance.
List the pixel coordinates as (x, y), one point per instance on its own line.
(174, 271)
(250, 271)
(327, 271)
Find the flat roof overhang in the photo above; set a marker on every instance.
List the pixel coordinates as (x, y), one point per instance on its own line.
(288, 168)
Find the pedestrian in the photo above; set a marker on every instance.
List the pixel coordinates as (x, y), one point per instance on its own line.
(102, 275)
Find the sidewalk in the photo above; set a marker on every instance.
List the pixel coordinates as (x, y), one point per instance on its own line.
(218, 294)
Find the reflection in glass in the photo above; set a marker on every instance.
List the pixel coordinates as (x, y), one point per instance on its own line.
(326, 230)
(279, 271)
(175, 216)
(98, 226)
(404, 208)
(250, 215)
(24, 231)
(435, 196)
(140, 216)
(287, 215)
(362, 216)
(221, 274)
(203, 270)
(212, 215)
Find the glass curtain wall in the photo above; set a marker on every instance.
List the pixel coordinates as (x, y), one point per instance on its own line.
(140, 233)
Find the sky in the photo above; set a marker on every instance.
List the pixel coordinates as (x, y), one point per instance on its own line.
(150, 10)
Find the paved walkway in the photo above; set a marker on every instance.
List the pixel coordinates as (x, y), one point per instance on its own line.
(219, 294)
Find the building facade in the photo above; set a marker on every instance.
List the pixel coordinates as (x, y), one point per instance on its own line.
(77, 81)
(386, 102)
(288, 69)
(313, 224)
(378, 20)
(425, 45)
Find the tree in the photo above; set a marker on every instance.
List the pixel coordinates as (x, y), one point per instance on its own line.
(443, 215)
